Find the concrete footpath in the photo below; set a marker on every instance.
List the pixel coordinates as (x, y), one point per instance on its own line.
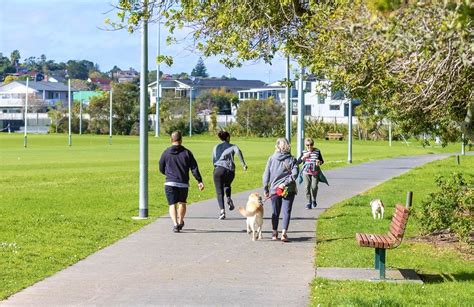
(212, 262)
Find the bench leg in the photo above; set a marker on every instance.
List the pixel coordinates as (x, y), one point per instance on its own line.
(380, 261)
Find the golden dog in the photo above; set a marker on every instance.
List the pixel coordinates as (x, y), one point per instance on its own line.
(254, 214)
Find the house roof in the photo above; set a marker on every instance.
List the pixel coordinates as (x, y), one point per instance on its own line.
(218, 83)
(213, 83)
(100, 80)
(46, 86)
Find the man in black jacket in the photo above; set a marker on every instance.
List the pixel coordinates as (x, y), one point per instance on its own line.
(175, 163)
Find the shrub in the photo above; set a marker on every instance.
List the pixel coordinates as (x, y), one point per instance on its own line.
(450, 208)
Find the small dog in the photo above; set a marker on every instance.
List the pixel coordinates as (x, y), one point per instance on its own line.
(254, 214)
(377, 208)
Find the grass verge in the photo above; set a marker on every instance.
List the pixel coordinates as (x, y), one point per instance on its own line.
(448, 275)
(59, 204)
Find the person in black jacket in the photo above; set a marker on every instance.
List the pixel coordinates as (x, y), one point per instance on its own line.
(175, 163)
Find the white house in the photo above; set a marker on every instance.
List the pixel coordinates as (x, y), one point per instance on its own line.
(320, 102)
(41, 96)
(184, 88)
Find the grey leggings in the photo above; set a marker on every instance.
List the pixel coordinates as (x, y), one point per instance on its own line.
(279, 204)
(310, 183)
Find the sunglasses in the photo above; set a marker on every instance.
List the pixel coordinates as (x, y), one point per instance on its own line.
(309, 144)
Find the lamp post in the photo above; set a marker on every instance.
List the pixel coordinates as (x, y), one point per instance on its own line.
(110, 118)
(157, 105)
(80, 113)
(288, 102)
(143, 190)
(300, 132)
(190, 112)
(69, 110)
(25, 141)
(349, 143)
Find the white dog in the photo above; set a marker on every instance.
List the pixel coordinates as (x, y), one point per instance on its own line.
(254, 214)
(377, 208)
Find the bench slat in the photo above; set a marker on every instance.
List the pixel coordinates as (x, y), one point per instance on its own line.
(386, 241)
(398, 223)
(378, 242)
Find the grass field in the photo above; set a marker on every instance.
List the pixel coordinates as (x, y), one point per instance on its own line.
(59, 204)
(449, 280)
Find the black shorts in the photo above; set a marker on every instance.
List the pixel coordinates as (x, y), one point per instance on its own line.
(176, 195)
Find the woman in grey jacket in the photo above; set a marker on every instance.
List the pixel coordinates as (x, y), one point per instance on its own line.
(224, 170)
(279, 183)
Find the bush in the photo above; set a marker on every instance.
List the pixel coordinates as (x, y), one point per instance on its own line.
(450, 208)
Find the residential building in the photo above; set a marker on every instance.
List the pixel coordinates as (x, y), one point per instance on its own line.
(85, 96)
(319, 100)
(126, 75)
(41, 96)
(102, 83)
(183, 88)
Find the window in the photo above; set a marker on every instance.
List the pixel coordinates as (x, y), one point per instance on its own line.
(307, 110)
(337, 95)
(334, 107)
(321, 99)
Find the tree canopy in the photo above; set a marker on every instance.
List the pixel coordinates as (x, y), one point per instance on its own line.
(408, 60)
(200, 69)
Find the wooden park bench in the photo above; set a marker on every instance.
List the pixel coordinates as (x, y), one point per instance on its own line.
(392, 239)
(334, 136)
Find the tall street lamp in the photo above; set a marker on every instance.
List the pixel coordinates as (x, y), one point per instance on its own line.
(157, 105)
(143, 190)
(25, 141)
(190, 112)
(69, 110)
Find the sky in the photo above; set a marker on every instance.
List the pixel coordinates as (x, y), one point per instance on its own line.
(71, 30)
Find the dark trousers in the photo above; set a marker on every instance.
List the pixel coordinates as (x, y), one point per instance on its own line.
(282, 204)
(223, 178)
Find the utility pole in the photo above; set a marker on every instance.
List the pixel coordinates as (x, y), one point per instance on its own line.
(190, 112)
(300, 132)
(80, 113)
(69, 110)
(25, 141)
(110, 118)
(157, 105)
(288, 102)
(349, 137)
(143, 191)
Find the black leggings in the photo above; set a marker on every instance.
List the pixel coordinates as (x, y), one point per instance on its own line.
(223, 177)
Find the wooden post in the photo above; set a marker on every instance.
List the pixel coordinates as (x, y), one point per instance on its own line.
(409, 199)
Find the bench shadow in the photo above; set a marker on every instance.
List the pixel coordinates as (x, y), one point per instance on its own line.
(440, 278)
(335, 239)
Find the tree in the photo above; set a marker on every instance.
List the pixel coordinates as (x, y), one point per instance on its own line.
(5, 66)
(261, 117)
(200, 69)
(125, 109)
(99, 114)
(219, 98)
(79, 69)
(15, 58)
(409, 60)
(9, 79)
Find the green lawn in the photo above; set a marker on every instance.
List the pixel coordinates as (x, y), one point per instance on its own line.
(449, 280)
(59, 204)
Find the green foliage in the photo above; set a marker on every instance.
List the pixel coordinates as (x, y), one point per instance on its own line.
(200, 69)
(261, 117)
(449, 208)
(125, 110)
(216, 98)
(318, 129)
(60, 119)
(443, 269)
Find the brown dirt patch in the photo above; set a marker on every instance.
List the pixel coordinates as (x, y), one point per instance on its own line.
(446, 239)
